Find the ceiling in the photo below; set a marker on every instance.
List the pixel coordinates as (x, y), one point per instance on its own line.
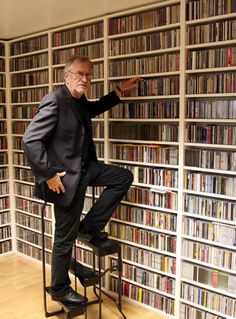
(23, 17)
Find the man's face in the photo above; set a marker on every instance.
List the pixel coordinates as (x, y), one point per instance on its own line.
(78, 78)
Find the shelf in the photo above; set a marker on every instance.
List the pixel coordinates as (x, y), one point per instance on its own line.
(154, 229)
(157, 291)
(206, 264)
(205, 309)
(164, 252)
(209, 242)
(211, 19)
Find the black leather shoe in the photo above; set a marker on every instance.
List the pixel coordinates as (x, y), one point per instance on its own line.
(91, 234)
(71, 297)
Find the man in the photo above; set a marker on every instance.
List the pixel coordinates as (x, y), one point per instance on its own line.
(59, 147)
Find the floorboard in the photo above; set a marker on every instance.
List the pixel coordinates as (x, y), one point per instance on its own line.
(21, 294)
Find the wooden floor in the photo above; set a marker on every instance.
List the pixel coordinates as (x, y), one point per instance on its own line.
(21, 294)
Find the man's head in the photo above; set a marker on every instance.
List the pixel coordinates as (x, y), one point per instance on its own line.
(78, 72)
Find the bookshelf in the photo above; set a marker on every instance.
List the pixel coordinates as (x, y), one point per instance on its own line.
(5, 213)
(209, 230)
(144, 137)
(176, 133)
(29, 81)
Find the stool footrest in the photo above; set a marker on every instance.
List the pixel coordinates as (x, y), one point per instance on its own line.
(72, 309)
(86, 276)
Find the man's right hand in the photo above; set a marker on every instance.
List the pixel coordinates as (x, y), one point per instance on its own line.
(55, 183)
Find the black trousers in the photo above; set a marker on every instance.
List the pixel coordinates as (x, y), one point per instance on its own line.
(116, 181)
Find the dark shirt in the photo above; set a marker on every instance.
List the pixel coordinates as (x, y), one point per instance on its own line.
(88, 147)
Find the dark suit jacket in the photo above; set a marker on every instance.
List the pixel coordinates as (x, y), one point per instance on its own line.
(53, 142)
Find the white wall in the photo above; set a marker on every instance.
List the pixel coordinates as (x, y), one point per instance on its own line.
(22, 17)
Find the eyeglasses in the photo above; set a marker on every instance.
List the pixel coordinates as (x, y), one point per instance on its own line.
(81, 75)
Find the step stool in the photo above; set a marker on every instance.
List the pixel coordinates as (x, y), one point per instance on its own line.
(102, 248)
(70, 310)
(87, 278)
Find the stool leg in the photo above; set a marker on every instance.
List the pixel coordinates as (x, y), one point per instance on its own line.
(120, 284)
(69, 316)
(100, 286)
(75, 257)
(43, 259)
(94, 269)
(119, 279)
(47, 314)
(85, 305)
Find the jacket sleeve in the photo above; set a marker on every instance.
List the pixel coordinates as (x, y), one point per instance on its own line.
(36, 136)
(103, 104)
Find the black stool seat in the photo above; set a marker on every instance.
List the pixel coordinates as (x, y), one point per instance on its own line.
(102, 247)
(86, 276)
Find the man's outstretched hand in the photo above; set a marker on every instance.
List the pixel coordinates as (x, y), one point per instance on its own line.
(127, 85)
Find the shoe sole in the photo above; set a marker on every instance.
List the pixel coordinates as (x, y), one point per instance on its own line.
(69, 302)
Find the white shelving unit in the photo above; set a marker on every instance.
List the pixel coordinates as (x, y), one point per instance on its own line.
(5, 214)
(209, 201)
(176, 132)
(29, 82)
